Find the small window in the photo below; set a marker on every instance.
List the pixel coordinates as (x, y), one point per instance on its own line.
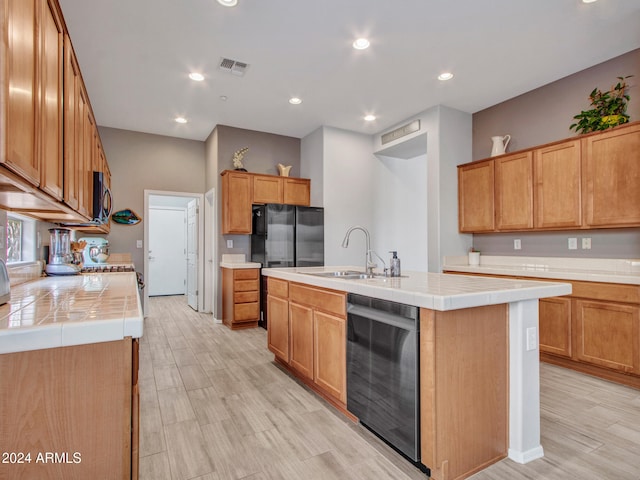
(21, 239)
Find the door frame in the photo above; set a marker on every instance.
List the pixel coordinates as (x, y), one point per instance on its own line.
(199, 263)
(210, 267)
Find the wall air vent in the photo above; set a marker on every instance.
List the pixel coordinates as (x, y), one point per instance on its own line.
(233, 66)
(401, 132)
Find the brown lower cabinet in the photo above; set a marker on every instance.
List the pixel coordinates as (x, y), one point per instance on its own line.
(464, 389)
(240, 297)
(70, 412)
(307, 331)
(595, 330)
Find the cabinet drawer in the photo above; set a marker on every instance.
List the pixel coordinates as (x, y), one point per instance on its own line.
(245, 297)
(246, 311)
(278, 288)
(319, 298)
(606, 291)
(245, 285)
(245, 274)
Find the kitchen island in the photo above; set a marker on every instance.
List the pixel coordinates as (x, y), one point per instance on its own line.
(69, 377)
(479, 357)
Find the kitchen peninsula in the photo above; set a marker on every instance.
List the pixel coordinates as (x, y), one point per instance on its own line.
(69, 377)
(479, 357)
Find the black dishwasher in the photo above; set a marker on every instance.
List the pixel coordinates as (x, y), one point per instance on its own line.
(383, 372)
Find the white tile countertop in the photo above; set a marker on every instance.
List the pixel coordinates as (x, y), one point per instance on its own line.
(71, 310)
(237, 260)
(625, 271)
(434, 291)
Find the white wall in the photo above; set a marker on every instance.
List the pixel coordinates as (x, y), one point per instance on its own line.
(311, 165)
(400, 210)
(450, 133)
(348, 173)
(408, 205)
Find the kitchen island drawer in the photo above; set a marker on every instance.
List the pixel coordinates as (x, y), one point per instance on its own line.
(278, 288)
(326, 300)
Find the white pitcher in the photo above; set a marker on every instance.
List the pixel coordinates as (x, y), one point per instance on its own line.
(499, 144)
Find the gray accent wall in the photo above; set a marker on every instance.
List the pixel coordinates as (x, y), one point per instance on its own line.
(542, 116)
(266, 150)
(142, 161)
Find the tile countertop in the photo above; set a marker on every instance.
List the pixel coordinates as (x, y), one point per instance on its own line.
(434, 291)
(237, 260)
(625, 271)
(71, 310)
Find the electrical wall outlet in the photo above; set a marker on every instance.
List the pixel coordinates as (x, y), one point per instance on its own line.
(517, 245)
(586, 243)
(573, 243)
(138, 243)
(229, 243)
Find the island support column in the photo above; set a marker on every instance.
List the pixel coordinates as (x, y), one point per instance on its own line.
(524, 383)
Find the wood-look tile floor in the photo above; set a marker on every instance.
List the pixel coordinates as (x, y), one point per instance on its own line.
(214, 406)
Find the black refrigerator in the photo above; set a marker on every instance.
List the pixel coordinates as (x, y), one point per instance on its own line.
(286, 236)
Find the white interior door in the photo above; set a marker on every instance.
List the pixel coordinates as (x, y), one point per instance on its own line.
(167, 251)
(192, 254)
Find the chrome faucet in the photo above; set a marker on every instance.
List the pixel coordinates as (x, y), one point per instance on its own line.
(369, 264)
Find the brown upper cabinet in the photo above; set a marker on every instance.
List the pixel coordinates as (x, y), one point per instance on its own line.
(240, 190)
(51, 101)
(267, 189)
(611, 162)
(514, 191)
(19, 98)
(557, 192)
(475, 197)
(48, 141)
(592, 181)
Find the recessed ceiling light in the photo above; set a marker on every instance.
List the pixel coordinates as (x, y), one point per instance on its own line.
(361, 44)
(445, 76)
(181, 120)
(228, 3)
(588, 1)
(369, 118)
(198, 77)
(295, 101)
(223, 98)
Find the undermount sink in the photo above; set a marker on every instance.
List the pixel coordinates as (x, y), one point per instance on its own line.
(346, 274)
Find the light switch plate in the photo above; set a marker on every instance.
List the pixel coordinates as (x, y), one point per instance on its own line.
(517, 244)
(573, 243)
(138, 243)
(229, 243)
(586, 243)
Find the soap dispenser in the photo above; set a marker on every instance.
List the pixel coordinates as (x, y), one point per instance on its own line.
(394, 269)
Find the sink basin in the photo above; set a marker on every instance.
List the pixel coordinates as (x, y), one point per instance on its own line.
(346, 274)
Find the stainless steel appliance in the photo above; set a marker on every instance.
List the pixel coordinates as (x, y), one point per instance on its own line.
(382, 371)
(60, 256)
(286, 236)
(102, 202)
(96, 251)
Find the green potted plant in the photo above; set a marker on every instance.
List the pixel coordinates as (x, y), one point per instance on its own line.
(609, 109)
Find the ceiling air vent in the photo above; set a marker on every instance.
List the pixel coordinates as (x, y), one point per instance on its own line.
(233, 66)
(401, 132)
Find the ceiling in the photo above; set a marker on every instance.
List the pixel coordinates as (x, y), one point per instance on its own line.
(135, 58)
